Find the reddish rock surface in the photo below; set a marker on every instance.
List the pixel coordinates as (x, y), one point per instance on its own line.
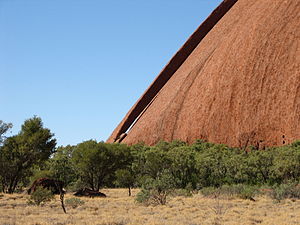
(235, 81)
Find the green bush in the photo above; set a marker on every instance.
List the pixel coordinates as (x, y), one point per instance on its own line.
(286, 165)
(182, 192)
(40, 196)
(143, 197)
(239, 191)
(155, 191)
(74, 202)
(248, 192)
(96, 162)
(76, 185)
(200, 165)
(210, 192)
(284, 191)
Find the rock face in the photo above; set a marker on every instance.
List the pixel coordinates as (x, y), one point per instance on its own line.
(235, 81)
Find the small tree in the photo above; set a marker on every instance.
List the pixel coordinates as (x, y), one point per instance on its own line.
(155, 191)
(32, 146)
(125, 178)
(149, 162)
(183, 166)
(96, 163)
(61, 166)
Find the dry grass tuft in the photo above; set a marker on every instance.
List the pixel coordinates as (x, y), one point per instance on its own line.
(119, 209)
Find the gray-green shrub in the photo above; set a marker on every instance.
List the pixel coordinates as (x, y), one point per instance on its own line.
(74, 202)
(40, 196)
(155, 191)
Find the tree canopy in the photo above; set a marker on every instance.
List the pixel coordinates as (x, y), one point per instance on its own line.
(31, 146)
(4, 127)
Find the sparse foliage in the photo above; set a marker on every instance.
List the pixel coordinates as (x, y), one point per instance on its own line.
(284, 191)
(4, 127)
(229, 191)
(74, 202)
(155, 191)
(219, 209)
(40, 196)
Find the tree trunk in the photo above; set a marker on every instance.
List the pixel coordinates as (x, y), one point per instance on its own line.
(11, 186)
(4, 187)
(61, 195)
(129, 191)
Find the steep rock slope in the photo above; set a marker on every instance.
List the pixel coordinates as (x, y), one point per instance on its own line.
(239, 86)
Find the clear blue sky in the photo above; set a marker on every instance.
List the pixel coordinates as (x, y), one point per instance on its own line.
(81, 64)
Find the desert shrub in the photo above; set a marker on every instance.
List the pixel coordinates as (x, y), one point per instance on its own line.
(215, 165)
(248, 192)
(284, 191)
(74, 202)
(155, 191)
(295, 192)
(182, 192)
(240, 191)
(149, 162)
(257, 166)
(286, 166)
(143, 196)
(210, 192)
(40, 196)
(183, 166)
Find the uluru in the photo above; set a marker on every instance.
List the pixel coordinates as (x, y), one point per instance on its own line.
(235, 81)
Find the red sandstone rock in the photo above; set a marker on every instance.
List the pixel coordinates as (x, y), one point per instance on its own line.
(235, 81)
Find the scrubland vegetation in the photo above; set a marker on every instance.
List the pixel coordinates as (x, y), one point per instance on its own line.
(173, 183)
(120, 209)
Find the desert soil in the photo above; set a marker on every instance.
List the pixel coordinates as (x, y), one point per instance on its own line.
(120, 209)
